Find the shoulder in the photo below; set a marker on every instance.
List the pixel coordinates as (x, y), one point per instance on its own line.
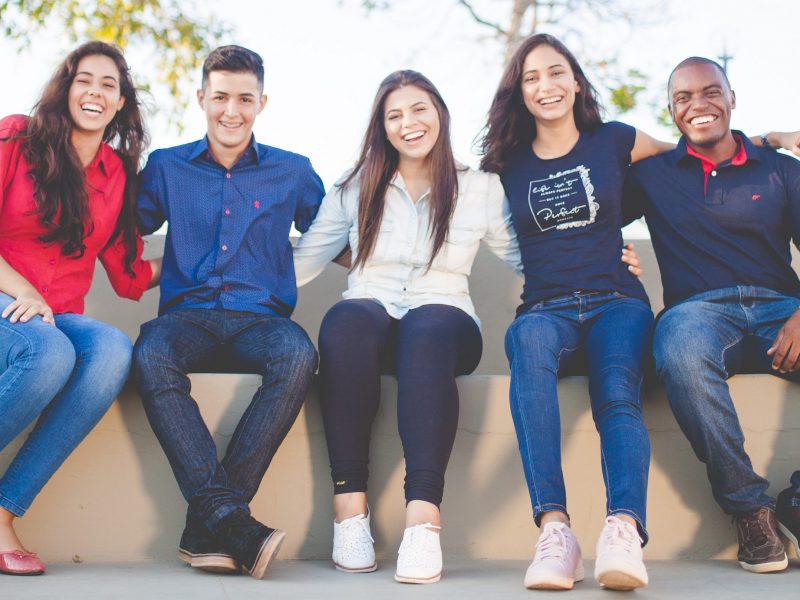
(469, 177)
(12, 125)
(279, 155)
(618, 132)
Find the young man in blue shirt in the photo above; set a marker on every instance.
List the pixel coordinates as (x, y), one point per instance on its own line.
(722, 214)
(227, 291)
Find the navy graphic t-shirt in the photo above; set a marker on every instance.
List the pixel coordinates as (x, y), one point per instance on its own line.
(567, 212)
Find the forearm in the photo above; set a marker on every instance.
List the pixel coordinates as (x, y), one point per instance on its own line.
(155, 267)
(14, 284)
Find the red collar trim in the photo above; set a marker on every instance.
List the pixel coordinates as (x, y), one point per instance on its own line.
(737, 161)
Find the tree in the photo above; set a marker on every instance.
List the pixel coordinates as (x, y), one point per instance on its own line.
(511, 21)
(176, 41)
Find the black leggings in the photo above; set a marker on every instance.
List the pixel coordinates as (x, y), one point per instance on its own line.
(426, 349)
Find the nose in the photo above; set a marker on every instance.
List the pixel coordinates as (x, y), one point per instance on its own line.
(230, 107)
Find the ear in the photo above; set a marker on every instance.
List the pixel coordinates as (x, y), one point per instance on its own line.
(200, 97)
(577, 87)
(733, 99)
(669, 110)
(262, 102)
(121, 103)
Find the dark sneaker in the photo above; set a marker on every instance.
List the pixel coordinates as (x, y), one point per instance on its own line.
(251, 543)
(760, 548)
(789, 524)
(199, 549)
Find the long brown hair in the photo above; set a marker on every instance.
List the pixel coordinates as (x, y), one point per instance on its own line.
(510, 125)
(57, 171)
(378, 163)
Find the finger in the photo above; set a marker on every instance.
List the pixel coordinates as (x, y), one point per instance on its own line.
(10, 308)
(775, 344)
(47, 316)
(635, 270)
(33, 310)
(19, 311)
(780, 354)
(790, 358)
(629, 246)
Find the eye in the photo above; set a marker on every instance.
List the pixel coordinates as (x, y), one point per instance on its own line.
(529, 79)
(713, 93)
(247, 100)
(393, 117)
(82, 80)
(558, 72)
(420, 109)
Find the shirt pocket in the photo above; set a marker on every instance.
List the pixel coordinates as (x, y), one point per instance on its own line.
(458, 251)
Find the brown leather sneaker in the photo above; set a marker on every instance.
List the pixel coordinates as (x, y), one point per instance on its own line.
(760, 548)
(789, 524)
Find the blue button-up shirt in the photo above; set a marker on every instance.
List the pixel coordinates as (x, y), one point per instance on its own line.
(227, 244)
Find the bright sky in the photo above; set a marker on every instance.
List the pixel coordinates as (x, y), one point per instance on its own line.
(325, 58)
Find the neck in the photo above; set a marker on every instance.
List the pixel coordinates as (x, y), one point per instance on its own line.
(86, 145)
(225, 156)
(416, 174)
(718, 152)
(555, 139)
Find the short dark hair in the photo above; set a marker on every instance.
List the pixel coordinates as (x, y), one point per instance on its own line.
(695, 60)
(235, 59)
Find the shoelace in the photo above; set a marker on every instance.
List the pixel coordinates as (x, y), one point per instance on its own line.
(617, 535)
(551, 544)
(348, 524)
(413, 550)
(754, 528)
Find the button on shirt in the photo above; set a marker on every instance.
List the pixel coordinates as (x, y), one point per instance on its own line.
(730, 228)
(227, 244)
(396, 273)
(63, 281)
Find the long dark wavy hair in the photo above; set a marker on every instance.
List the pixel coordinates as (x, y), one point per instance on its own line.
(510, 125)
(378, 163)
(57, 171)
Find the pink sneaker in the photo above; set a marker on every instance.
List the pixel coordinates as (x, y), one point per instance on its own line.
(619, 564)
(557, 564)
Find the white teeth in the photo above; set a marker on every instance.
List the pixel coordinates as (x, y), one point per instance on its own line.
(413, 136)
(92, 107)
(550, 100)
(702, 119)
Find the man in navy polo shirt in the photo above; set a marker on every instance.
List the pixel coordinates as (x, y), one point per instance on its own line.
(722, 213)
(227, 291)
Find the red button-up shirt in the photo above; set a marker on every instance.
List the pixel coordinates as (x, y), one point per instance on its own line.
(64, 281)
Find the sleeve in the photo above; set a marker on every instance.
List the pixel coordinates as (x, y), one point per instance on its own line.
(793, 195)
(633, 197)
(326, 237)
(500, 236)
(9, 151)
(150, 207)
(624, 140)
(310, 192)
(112, 258)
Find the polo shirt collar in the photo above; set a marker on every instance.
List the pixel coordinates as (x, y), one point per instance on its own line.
(747, 151)
(202, 149)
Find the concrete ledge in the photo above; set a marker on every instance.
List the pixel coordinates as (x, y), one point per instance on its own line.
(115, 498)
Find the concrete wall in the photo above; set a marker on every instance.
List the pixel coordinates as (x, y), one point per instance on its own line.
(115, 498)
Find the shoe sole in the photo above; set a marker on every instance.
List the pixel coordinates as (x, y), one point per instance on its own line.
(770, 567)
(423, 580)
(791, 537)
(213, 563)
(269, 549)
(558, 583)
(619, 580)
(369, 569)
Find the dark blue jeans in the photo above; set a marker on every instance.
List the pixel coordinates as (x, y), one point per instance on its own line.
(611, 333)
(698, 344)
(209, 340)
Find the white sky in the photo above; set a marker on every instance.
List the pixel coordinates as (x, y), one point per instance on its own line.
(325, 58)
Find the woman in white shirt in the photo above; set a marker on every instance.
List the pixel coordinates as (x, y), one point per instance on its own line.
(413, 218)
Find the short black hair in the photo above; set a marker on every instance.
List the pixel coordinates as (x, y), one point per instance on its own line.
(235, 59)
(696, 60)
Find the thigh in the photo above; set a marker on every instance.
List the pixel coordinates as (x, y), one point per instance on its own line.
(261, 341)
(620, 336)
(97, 342)
(184, 339)
(438, 335)
(768, 317)
(542, 339)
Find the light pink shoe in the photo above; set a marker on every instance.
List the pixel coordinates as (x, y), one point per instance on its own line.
(557, 564)
(619, 564)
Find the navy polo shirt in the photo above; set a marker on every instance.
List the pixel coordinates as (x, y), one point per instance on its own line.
(727, 225)
(567, 213)
(227, 242)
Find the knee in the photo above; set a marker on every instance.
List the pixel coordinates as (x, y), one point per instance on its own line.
(44, 349)
(298, 349)
(531, 337)
(682, 345)
(109, 355)
(347, 320)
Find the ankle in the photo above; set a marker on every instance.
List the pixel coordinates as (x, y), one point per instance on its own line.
(349, 505)
(553, 516)
(420, 512)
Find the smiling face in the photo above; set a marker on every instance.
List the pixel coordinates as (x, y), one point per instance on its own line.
(548, 86)
(94, 95)
(231, 102)
(411, 121)
(701, 103)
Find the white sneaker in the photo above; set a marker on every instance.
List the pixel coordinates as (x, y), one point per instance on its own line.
(619, 564)
(557, 563)
(353, 546)
(419, 559)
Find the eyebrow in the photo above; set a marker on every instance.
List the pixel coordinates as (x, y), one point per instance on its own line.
(550, 67)
(705, 89)
(423, 102)
(90, 74)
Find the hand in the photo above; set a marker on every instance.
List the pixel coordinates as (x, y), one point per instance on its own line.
(630, 257)
(27, 306)
(789, 140)
(785, 350)
(345, 258)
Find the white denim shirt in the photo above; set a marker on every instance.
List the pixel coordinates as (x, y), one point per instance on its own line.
(395, 274)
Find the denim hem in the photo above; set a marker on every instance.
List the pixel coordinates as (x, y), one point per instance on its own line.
(639, 522)
(12, 506)
(538, 511)
(738, 513)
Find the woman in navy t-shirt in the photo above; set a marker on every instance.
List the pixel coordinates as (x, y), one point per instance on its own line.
(563, 169)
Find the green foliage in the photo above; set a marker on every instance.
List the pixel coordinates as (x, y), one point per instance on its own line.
(178, 42)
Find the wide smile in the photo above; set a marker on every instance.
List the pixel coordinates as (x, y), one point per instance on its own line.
(701, 120)
(92, 108)
(549, 101)
(230, 126)
(414, 137)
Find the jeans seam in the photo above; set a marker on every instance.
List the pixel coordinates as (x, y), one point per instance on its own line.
(724, 350)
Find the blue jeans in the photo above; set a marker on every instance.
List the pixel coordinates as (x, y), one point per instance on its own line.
(67, 376)
(611, 333)
(211, 340)
(698, 344)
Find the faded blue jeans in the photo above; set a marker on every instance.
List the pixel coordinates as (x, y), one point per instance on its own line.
(611, 333)
(215, 340)
(700, 343)
(67, 376)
